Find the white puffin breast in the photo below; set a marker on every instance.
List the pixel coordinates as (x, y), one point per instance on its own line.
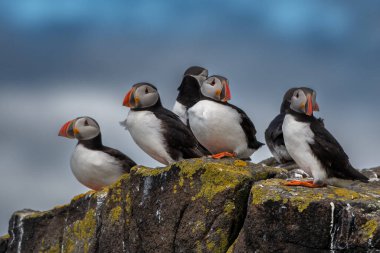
(93, 168)
(181, 111)
(217, 127)
(298, 137)
(146, 130)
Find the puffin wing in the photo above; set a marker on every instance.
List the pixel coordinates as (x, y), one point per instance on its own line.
(126, 162)
(248, 128)
(180, 140)
(331, 154)
(273, 134)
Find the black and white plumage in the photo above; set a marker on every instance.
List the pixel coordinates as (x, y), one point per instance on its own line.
(312, 146)
(189, 91)
(219, 126)
(92, 163)
(156, 130)
(273, 134)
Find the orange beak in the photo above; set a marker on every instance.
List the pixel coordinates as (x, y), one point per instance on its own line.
(309, 110)
(127, 98)
(66, 130)
(227, 93)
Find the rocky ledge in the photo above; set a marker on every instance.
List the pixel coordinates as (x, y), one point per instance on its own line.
(204, 205)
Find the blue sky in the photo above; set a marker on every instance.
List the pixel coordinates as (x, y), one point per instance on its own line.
(63, 59)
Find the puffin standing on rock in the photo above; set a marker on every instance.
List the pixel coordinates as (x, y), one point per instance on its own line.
(273, 134)
(93, 164)
(156, 130)
(311, 146)
(222, 128)
(189, 91)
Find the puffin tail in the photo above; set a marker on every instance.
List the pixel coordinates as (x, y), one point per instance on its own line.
(256, 145)
(357, 175)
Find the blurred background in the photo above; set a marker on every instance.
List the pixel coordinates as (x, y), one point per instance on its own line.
(63, 59)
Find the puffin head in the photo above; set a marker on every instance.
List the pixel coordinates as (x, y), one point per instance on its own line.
(81, 128)
(286, 99)
(198, 73)
(141, 95)
(304, 101)
(217, 88)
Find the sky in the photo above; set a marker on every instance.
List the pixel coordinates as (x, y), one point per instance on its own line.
(64, 59)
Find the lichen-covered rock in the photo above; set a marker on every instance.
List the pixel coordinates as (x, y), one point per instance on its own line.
(298, 219)
(204, 205)
(194, 205)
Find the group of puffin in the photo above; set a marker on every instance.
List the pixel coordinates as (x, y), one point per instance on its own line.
(204, 123)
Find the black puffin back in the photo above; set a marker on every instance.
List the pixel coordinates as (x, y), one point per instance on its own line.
(96, 144)
(179, 140)
(189, 91)
(331, 154)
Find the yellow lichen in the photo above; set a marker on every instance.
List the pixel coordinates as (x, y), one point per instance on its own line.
(83, 195)
(303, 202)
(261, 195)
(50, 249)
(218, 178)
(229, 207)
(5, 237)
(240, 163)
(175, 188)
(115, 214)
(128, 208)
(199, 226)
(210, 246)
(346, 194)
(222, 238)
(148, 172)
(369, 229)
(198, 246)
(81, 232)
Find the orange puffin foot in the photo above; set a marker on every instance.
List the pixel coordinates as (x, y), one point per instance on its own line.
(309, 184)
(223, 154)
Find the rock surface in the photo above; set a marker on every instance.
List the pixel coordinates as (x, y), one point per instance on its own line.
(204, 205)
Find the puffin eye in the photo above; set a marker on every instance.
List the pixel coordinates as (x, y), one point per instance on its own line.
(146, 91)
(86, 122)
(213, 82)
(297, 95)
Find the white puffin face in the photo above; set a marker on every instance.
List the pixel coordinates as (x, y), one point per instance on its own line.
(217, 88)
(142, 95)
(85, 128)
(81, 128)
(304, 101)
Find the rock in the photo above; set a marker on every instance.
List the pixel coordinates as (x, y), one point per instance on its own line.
(299, 219)
(203, 205)
(373, 174)
(194, 205)
(4, 243)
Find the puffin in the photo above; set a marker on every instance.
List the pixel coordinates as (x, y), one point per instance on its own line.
(156, 130)
(222, 128)
(273, 134)
(189, 91)
(312, 146)
(93, 164)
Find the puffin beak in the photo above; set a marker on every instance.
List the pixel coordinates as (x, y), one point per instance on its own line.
(309, 105)
(67, 130)
(127, 99)
(226, 93)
